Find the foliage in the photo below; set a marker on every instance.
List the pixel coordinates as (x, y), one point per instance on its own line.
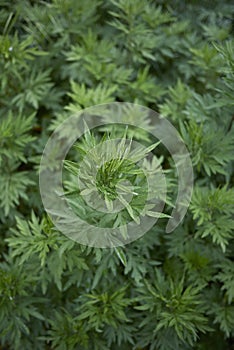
(163, 291)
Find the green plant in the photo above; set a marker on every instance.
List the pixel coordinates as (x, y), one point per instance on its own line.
(161, 291)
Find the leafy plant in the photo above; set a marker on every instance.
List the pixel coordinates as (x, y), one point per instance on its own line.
(162, 291)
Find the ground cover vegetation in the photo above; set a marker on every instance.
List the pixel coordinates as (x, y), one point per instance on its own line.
(162, 291)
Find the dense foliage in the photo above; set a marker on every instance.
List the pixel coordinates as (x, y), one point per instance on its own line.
(163, 291)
